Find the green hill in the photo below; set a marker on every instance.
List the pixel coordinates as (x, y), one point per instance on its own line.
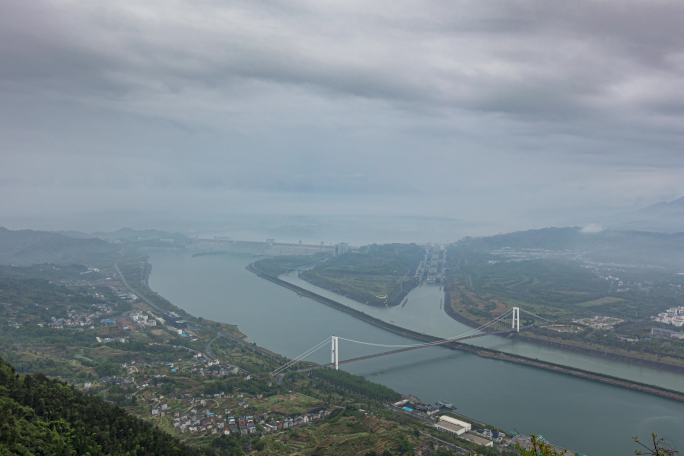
(26, 247)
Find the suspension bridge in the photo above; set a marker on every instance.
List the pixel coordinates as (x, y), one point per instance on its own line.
(505, 324)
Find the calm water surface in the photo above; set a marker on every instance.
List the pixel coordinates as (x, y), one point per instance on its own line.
(423, 311)
(589, 417)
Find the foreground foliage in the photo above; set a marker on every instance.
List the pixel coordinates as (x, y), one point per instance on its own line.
(43, 416)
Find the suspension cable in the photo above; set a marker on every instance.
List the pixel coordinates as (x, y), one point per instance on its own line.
(441, 341)
(536, 316)
(301, 356)
(298, 359)
(469, 332)
(309, 351)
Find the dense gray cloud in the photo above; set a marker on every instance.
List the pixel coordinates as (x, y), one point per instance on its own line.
(491, 110)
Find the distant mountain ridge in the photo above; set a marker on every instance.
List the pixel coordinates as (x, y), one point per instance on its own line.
(24, 247)
(147, 236)
(665, 216)
(675, 206)
(625, 246)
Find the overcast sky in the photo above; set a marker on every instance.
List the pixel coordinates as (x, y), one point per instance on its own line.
(538, 111)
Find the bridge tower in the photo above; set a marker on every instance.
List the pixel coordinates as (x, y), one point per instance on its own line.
(515, 323)
(335, 352)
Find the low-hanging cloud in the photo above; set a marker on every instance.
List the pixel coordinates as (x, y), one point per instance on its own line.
(435, 99)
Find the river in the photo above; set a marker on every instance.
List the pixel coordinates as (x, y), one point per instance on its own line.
(589, 417)
(423, 311)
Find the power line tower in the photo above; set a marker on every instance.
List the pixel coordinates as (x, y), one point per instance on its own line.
(334, 352)
(515, 323)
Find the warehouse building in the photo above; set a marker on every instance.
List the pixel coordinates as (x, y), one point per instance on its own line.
(452, 425)
(477, 440)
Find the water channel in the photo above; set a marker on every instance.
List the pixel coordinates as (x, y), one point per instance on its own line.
(589, 417)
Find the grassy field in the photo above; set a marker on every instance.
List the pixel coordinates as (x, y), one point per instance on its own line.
(599, 302)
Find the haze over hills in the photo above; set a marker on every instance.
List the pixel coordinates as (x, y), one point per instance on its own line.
(630, 246)
(356, 229)
(192, 194)
(666, 216)
(674, 207)
(621, 246)
(148, 237)
(25, 247)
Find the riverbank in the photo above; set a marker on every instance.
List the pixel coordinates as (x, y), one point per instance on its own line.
(566, 346)
(480, 351)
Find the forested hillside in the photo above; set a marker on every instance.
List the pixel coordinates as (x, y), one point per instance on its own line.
(47, 417)
(27, 247)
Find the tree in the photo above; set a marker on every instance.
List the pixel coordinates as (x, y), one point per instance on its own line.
(539, 448)
(657, 447)
(404, 446)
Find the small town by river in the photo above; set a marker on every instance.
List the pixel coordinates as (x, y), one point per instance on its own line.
(589, 417)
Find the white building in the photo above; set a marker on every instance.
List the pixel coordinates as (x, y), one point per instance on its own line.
(672, 316)
(453, 425)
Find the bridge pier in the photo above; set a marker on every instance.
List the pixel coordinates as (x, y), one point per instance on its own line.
(334, 352)
(515, 323)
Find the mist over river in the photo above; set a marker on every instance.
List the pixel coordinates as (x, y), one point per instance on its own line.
(585, 416)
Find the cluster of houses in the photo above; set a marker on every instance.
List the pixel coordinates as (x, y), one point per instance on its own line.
(198, 365)
(215, 369)
(673, 316)
(415, 407)
(206, 422)
(109, 340)
(115, 380)
(599, 322)
(143, 319)
(127, 296)
(83, 319)
(313, 415)
(203, 421)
